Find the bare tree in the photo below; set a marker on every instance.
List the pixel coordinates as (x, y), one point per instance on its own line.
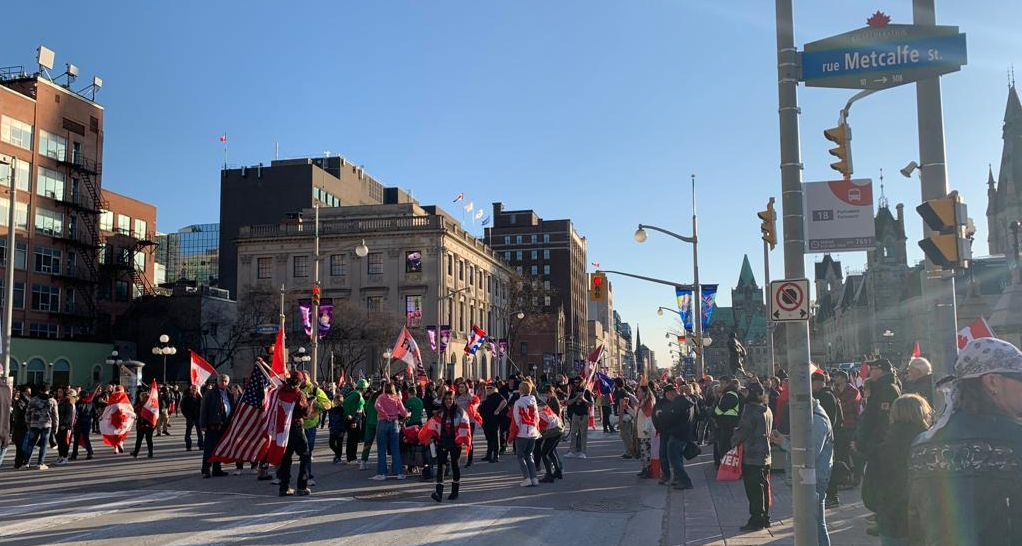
(356, 335)
(223, 338)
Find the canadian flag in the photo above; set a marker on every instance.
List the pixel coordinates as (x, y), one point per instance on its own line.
(223, 138)
(150, 411)
(201, 370)
(117, 420)
(278, 422)
(977, 329)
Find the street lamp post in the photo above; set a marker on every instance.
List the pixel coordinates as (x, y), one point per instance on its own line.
(301, 359)
(316, 296)
(115, 361)
(640, 236)
(12, 228)
(385, 367)
(164, 349)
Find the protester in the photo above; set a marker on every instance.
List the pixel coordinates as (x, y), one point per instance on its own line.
(606, 409)
(725, 415)
(448, 433)
(492, 410)
(165, 399)
(524, 432)
(885, 487)
(297, 439)
(214, 414)
(627, 406)
(337, 427)
(369, 433)
(822, 450)
(752, 432)
(190, 406)
(644, 429)
(920, 379)
(676, 434)
(65, 424)
(580, 401)
(468, 402)
(85, 413)
(41, 418)
(143, 427)
(390, 412)
(19, 424)
(965, 473)
(318, 403)
(551, 429)
(354, 414)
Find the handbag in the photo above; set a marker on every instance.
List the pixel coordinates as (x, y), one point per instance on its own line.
(731, 465)
(691, 451)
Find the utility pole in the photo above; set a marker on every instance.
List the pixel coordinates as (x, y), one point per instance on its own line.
(315, 296)
(12, 228)
(697, 292)
(938, 284)
(803, 466)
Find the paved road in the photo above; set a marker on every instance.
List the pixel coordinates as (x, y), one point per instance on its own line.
(164, 501)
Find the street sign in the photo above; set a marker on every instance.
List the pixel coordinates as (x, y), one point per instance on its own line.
(789, 300)
(266, 328)
(883, 57)
(839, 216)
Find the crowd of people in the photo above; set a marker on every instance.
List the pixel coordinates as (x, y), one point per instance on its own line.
(952, 479)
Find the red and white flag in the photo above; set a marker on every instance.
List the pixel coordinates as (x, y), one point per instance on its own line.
(277, 366)
(150, 410)
(278, 422)
(408, 351)
(223, 139)
(593, 363)
(977, 329)
(664, 377)
(460, 197)
(245, 439)
(201, 370)
(117, 420)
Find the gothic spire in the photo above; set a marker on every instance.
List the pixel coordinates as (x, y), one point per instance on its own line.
(746, 278)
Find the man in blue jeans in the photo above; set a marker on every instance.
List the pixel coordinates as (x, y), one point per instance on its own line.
(677, 423)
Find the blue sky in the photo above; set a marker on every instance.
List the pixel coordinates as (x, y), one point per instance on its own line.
(597, 110)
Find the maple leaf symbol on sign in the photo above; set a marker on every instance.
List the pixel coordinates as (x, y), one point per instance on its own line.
(878, 19)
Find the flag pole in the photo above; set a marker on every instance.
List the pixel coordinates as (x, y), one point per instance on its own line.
(283, 334)
(315, 300)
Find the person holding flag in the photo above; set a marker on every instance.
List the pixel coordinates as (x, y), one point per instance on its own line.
(214, 415)
(580, 402)
(447, 433)
(117, 419)
(148, 412)
(287, 417)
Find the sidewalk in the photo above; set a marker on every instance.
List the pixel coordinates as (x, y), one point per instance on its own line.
(711, 514)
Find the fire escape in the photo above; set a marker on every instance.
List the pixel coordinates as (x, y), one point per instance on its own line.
(82, 201)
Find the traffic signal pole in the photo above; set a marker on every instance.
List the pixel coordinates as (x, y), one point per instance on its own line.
(938, 285)
(804, 499)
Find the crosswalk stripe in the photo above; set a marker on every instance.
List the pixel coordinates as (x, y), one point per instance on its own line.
(37, 524)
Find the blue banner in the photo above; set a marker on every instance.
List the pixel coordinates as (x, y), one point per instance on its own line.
(684, 296)
(709, 297)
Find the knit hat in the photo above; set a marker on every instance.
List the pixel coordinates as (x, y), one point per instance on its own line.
(361, 385)
(988, 355)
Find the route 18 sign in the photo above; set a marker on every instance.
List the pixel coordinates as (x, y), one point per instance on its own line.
(789, 300)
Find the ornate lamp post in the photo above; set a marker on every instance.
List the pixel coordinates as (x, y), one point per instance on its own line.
(164, 349)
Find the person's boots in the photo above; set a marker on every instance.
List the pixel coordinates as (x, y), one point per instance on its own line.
(438, 495)
(454, 491)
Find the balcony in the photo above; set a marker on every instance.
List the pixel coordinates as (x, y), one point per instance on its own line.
(79, 162)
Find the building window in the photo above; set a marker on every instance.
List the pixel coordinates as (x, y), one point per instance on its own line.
(42, 329)
(301, 266)
(16, 132)
(546, 301)
(374, 303)
(20, 216)
(471, 276)
(47, 260)
(507, 239)
(534, 238)
(507, 256)
(337, 265)
(461, 270)
(413, 311)
(106, 220)
(518, 255)
(52, 146)
(96, 373)
(375, 263)
(518, 239)
(546, 269)
(546, 237)
(140, 229)
(19, 294)
(45, 298)
(523, 348)
(413, 261)
(535, 254)
(546, 285)
(121, 291)
(546, 254)
(264, 268)
(450, 265)
(123, 224)
(519, 270)
(140, 261)
(534, 270)
(49, 222)
(22, 175)
(461, 317)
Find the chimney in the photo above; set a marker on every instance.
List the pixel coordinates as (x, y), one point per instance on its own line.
(901, 214)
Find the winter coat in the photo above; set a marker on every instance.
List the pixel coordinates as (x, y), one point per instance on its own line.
(753, 431)
(885, 485)
(42, 412)
(190, 406)
(678, 418)
(65, 414)
(830, 404)
(214, 414)
(884, 390)
(449, 428)
(524, 419)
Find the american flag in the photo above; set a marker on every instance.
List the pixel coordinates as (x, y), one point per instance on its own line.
(246, 438)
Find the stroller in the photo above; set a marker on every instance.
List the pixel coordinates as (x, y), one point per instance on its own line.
(411, 449)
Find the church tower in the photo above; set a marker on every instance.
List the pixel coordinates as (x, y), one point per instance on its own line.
(1005, 201)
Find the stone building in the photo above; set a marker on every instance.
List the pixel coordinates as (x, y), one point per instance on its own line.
(420, 266)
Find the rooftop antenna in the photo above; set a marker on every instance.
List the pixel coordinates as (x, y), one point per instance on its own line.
(44, 58)
(276, 151)
(71, 72)
(97, 82)
(882, 202)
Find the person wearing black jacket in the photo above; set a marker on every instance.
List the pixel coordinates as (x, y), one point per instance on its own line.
(884, 389)
(191, 404)
(85, 410)
(492, 410)
(676, 418)
(725, 414)
(214, 414)
(19, 424)
(297, 442)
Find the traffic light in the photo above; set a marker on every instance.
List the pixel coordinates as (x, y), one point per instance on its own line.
(950, 244)
(597, 287)
(769, 225)
(842, 136)
(315, 295)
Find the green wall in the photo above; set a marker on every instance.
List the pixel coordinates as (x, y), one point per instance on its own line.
(72, 359)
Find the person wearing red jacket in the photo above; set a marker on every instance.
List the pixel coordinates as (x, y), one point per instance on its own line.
(450, 433)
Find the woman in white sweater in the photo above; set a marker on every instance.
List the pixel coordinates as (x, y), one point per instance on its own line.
(525, 432)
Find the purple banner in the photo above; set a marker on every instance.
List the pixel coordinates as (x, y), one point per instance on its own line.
(445, 337)
(431, 333)
(502, 347)
(326, 316)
